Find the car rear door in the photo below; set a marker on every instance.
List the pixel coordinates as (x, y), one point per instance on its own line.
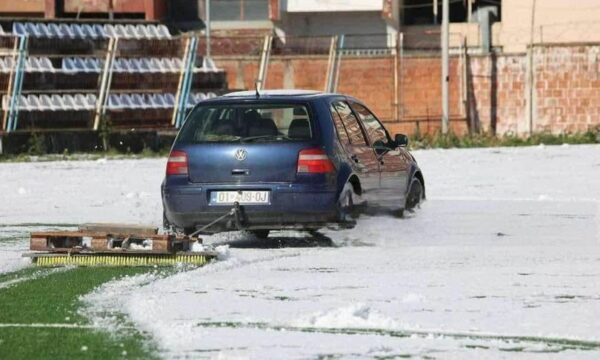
(394, 162)
(363, 159)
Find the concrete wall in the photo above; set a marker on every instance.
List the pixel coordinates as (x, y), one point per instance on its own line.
(22, 6)
(556, 21)
(566, 88)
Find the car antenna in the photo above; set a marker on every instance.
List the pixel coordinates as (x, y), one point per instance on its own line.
(256, 89)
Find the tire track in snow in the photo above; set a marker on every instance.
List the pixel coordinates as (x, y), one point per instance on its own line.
(565, 343)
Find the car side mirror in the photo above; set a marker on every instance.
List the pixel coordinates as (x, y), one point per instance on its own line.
(401, 140)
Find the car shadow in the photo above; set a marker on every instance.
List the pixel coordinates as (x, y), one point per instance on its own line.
(278, 240)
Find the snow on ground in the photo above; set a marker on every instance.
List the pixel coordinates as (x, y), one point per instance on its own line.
(12, 245)
(72, 192)
(502, 260)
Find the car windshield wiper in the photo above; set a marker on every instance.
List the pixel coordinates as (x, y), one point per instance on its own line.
(265, 137)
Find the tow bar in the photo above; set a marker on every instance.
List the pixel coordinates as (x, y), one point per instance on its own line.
(235, 212)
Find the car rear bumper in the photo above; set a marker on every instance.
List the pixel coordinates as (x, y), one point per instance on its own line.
(291, 206)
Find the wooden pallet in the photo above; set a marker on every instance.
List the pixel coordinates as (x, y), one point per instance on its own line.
(110, 238)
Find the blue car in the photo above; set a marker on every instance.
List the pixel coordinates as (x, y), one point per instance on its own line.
(284, 160)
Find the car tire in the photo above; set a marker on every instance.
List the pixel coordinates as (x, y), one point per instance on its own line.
(346, 211)
(260, 234)
(166, 223)
(415, 195)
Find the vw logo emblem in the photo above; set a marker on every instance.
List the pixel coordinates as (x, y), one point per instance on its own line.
(240, 154)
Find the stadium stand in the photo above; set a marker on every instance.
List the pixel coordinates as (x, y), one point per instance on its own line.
(83, 102)
(93, 31)
(65, 64)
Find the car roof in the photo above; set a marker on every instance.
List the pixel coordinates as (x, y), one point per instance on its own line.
(275, 93)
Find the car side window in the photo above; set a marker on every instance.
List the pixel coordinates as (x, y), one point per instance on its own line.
(339, 126)
(350, 123)
(375, 131)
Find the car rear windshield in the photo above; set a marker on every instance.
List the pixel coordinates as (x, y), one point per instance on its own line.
(247, 123)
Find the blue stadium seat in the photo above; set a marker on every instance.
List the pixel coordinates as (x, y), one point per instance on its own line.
(19, 29)
(45, 103)
(169, 100)
(6, 65)
(57, 102)
(34, 103)
(114, 102)
(80, 102)
(51, 30)
(199, 97)
(100, 31)
(69, 102)
(93, 31)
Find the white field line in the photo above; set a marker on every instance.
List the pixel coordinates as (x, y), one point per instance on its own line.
(52, 326)
(34, 276)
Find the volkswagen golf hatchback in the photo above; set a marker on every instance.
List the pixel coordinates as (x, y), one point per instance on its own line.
(284, 160)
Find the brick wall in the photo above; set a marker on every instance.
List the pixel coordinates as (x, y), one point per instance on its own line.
(492, 97)
(369, 79)
(567, 88)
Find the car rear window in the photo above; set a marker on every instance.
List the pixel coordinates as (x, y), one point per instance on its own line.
(247, 123)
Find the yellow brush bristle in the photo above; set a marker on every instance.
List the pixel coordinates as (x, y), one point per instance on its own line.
(120, 260)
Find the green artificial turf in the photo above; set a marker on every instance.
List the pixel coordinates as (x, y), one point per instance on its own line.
(48, 296)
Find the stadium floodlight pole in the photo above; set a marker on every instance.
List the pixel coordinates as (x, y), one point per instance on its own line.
(445, 59)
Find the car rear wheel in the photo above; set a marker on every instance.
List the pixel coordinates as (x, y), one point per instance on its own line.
(166, 223)
(415, 194)
(346, 211)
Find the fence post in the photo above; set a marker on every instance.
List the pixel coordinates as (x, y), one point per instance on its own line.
(397, 74)
(188, 81)
(19, 69)
(464, 88)
(401, 70)
(11, 79)
(181, 80)
(338, 62)
(333, 66)
(185, 81)
(101, 101)
(330, 60)
(264, 63)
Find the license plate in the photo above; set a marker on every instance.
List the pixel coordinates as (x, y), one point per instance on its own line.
(242, 197)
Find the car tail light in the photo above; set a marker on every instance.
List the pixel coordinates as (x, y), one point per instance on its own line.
(177, 163)
(314, 161)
